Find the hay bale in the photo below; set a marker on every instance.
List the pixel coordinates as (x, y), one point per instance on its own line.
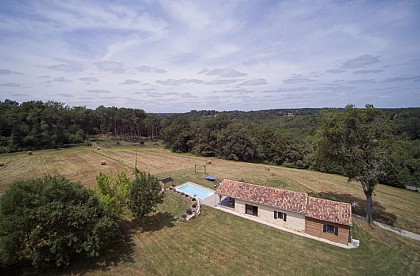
(1, 164)
(209, 162)
(103, 162)
(29, 152)
(98, 148)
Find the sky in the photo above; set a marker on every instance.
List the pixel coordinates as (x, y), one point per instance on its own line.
(177, 56)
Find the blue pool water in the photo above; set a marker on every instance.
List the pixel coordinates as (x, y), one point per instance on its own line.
(194, 190)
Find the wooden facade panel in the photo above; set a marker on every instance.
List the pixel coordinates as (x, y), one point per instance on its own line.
(314, 227)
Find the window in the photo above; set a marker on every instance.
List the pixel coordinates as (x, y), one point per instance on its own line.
(280, 215)
(251, 210)
(328, 228)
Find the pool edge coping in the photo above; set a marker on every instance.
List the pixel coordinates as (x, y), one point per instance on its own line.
(197, 185)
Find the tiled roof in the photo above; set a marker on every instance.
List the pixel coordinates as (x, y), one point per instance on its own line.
(283, 199)
(322, 209)
(328, 210)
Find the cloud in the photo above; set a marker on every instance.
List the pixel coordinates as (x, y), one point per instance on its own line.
(179, 82)
(164, 94)
(19, 95)
(236, 90)
(336, 71)
(89, 79)
(297, 80)
(361, 81)
(254, 82)
(335, 89)
(301, 78)
(281, 90)
(110, 66)
(188, 96)
(403, 78)
(9, 72)
(128, 82)
(10, 84)
(360, 62)
(149, 69)
(44, 77)
(66, 95)
(60, 79)
(216, 82)
(367, 72)
(66, 67)
(98, 91)
(223, 73)
(159, 70)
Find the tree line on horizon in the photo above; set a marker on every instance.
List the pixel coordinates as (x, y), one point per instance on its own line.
(279, 137)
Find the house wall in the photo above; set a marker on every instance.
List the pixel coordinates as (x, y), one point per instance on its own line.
(314, 227)
(294, 221)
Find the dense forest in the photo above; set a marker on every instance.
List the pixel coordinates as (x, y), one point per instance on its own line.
(279, 137)
(38, 125)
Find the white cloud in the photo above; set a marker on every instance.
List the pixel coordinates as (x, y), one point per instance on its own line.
(223, 73)
(110, 66)
(360, 61)
(179, 82)
(137, 42)
(128, 82)
(254, 82)
(89, 79)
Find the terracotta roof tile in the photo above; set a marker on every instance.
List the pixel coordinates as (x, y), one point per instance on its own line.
(322, 209)
(283, 199)
(328, 210)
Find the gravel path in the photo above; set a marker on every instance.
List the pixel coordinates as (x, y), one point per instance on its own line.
(393, 229)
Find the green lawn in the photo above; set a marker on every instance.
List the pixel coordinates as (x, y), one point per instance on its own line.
(218, 243)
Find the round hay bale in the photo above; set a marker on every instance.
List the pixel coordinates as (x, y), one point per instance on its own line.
(98, 148)
(29, 152)
(1, 164)
(103, 162)
(209, 162)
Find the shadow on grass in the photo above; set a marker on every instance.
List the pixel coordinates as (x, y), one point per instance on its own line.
(359, 208)
(154, 222)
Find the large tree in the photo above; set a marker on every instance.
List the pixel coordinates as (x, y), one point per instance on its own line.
(145, 194)
(51, 221)
(113, 193)
(353, 141)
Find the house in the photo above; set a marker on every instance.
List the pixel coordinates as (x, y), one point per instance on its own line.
(298, 211)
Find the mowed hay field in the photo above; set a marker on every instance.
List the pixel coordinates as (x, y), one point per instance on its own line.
(218, 243)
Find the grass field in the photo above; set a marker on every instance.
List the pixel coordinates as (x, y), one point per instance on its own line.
(217, 243)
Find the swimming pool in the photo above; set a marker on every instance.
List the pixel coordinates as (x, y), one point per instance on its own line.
(192, 189)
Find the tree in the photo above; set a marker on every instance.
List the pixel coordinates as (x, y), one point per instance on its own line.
(51, 221)
(354, 140)
(236, 142)
(145, 194)
(113, 192)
